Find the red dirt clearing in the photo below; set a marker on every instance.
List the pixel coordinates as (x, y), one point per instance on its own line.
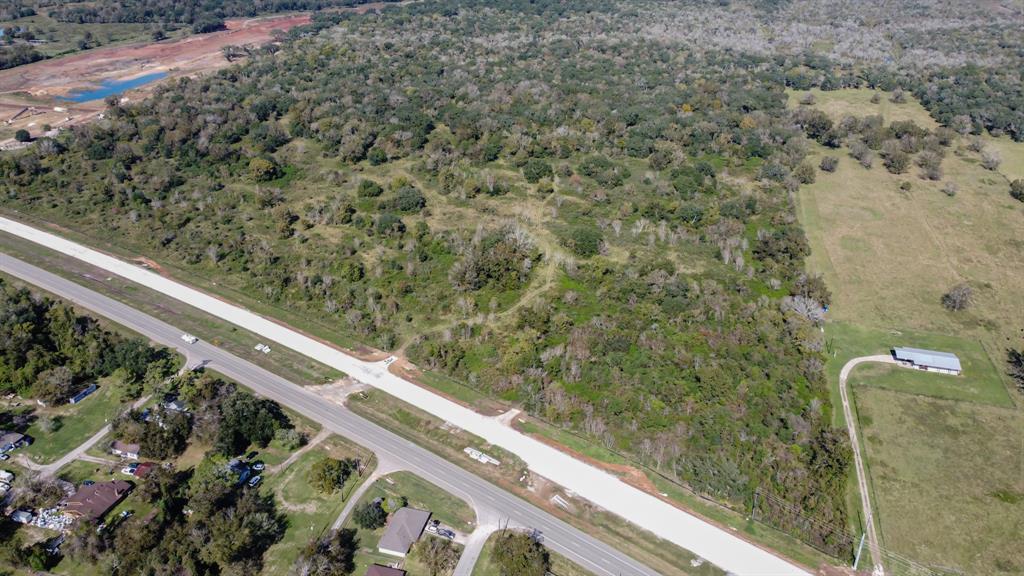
(192, 54)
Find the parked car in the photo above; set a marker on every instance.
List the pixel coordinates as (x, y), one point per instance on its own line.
(262, 348)
(4, 457)
(88, 482)
(255, 481)
(126, 514)
(189, 338)
(258, 466)
(252, 455)
(446, 533)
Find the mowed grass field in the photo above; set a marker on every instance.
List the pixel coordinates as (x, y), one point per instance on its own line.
(945, 454)
(946, 478)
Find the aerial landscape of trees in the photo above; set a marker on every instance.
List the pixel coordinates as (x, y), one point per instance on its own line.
(582, 208)
(47, 351)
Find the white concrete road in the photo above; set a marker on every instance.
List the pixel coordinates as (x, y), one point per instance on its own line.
(858, 460)
(720, 547)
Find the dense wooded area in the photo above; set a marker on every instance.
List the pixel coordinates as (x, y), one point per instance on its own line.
(49, 352)
(574, 206)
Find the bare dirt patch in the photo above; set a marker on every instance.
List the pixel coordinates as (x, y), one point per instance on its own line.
(28, 94)
(195, 53)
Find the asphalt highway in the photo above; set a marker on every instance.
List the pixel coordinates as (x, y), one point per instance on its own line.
(586, 551)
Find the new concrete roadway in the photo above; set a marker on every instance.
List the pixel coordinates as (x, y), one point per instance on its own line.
(721, 547)
(590, 553)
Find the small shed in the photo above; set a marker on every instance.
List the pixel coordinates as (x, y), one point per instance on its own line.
(928, 360)
(378, 570)
(404, 529)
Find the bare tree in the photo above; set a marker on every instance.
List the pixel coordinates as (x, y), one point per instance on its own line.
(990, 159)
(958, 298)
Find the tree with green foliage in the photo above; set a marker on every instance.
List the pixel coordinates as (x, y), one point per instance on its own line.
(1015, 366)
(535, 169)
(1017, 189)
(369, 189)
(519, 554)
(248, 420)
(584, 241)
(263, 169)
(332, 555)
(22, 135)
(439, 555)
(241, 530)
(377, 156)
(370, 515)
(330, 474)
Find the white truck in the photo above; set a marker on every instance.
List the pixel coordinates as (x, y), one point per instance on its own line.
(189, 338)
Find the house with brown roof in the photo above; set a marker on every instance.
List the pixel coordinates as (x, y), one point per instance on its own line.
(124, 450)
(404, 529)
(93, 502)
(378, 570)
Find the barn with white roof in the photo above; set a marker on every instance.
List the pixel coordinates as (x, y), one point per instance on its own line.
(928, 360)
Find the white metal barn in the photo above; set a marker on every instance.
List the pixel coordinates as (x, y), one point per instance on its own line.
(928, 360)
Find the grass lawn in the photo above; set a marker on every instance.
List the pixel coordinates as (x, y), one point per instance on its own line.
(560, 566)
(79, 422)
(421, 494)
(310, 513)
(980, 382)
(947, 479)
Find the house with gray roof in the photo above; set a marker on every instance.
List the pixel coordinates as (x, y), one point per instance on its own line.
(928, 360)
(404, 529)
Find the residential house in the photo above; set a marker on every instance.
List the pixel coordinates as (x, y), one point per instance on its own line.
(404, 528)
(175, 405)
(94, 501)
(125, 450)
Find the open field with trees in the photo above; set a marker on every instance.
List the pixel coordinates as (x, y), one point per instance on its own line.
(892, 247)
(587, 210)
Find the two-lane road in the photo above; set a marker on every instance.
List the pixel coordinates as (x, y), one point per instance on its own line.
(590, 553)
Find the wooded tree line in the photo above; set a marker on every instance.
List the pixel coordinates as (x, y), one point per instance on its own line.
(203, 15)
(49, 352)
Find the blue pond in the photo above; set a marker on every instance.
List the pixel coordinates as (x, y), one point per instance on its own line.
(112, 87)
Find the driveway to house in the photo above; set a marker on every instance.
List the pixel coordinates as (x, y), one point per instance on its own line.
(721, 547)
(78, 453)
(862, 477)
